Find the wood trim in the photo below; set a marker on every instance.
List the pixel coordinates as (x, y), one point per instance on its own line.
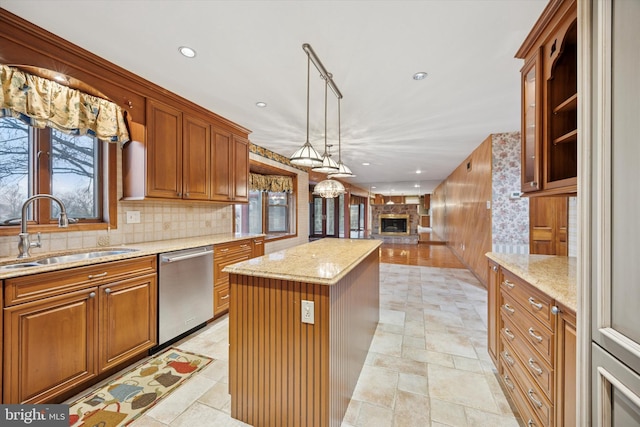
(540, 26)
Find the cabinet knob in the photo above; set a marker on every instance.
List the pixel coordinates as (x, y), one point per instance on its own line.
(107, 291)
(555, 310)
(92, 295)
(494, 268)
(179, 194)
(534, 184)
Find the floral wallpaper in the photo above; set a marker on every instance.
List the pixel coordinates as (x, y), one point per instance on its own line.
(510, 220)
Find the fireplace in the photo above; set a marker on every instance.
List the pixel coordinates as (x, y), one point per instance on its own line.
(394, 224)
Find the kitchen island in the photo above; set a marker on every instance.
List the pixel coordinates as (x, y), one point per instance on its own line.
(300, 325)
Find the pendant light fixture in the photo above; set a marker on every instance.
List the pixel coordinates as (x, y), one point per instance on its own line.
(343, 171)
(306, 155)
(328, 164)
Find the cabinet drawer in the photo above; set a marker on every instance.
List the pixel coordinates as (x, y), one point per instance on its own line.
(517, 396)
(220, 298)
(539, 338)
(540, 371)
(232, 249)
(537, 402)
(36, 286)
(531, 299)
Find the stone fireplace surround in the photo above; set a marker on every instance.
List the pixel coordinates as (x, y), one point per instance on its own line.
(395, 209)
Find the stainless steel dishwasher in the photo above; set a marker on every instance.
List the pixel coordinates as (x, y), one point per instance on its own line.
(185, 293)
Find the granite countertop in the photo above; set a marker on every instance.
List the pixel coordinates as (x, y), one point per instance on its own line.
(322, 262)
(553, 275)
(140, 249)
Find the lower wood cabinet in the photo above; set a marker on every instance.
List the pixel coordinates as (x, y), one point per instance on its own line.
(67, 327)
(534, 337)
(223, 255)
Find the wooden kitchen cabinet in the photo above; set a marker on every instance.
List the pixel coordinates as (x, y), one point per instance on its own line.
(230, 160)
(535, 340)
(223, 255)
(493, 289)
(566, 356)
(548, 225)
(64, 328)
(550, 102)
(185, 157)
(257, 247)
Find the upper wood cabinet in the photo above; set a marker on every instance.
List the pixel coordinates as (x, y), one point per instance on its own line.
(230, 160)
(550, 102)
(185, 157)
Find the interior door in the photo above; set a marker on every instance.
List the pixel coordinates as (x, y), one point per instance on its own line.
(324, 217)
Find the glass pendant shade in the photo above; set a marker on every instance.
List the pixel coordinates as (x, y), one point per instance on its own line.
(328, 165)
(306, 156)
(329, 188)
(342, 172)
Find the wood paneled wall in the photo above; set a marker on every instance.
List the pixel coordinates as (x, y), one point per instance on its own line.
(459, 211)
(285, 373)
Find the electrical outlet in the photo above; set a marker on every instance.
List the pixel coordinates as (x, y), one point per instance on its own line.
(308, 315)
(133, 217)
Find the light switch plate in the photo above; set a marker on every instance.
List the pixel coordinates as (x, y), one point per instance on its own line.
(308, 314)
(133, 217)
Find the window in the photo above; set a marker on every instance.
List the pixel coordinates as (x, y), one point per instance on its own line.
(270, 213)
(36, 161)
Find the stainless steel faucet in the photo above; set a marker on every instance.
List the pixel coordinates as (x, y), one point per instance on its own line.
(24, 243)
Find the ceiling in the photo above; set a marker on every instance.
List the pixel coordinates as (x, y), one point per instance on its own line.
(250, 51)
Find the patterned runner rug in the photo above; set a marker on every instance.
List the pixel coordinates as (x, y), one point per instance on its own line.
(127, 397)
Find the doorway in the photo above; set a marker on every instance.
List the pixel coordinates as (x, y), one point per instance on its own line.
(324, 217)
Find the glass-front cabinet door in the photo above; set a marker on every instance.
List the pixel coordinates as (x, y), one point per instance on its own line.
(531, 149)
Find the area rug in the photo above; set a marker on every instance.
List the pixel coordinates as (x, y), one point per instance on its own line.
(125, 398)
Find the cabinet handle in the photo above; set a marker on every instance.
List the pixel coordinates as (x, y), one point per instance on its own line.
(555, 310)
(225, 297)
(534, 184)
(534, 365)
(224, 250)
(494, 268)
(508, 382)
(507, 357)
(508, 333)
(532, 332)
(533, 399)
(96, 276)
(92, 295)
(107, 291)
(508, 284)
(186, 194)
(508, 308)
(244, 246)
(530, 423)
(179, 194)
(535, 304)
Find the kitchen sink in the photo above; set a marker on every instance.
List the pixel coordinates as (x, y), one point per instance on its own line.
(82, 255)
(57, 259)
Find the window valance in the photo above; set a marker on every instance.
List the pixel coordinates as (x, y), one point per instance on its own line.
(41, 103)
(270, 183)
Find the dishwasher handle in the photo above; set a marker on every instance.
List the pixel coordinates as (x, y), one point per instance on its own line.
(186, 256)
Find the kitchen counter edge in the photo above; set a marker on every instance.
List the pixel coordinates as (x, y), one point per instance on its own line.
(553, 275)
(141, 249)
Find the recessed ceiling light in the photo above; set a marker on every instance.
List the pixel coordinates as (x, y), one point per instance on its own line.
(420, 75)
(418, 171)
(373, 186)
(366, 164)
(261, 104)
(417, 186)
(187, 51)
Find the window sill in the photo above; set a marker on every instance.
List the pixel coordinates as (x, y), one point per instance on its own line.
(14, 230)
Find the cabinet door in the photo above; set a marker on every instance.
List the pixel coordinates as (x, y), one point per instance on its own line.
(127, 319)
(196, 164)
(494, 313)
(548, 224)
(240, 176)
(566, 354)
(164, 151)
(50, 346)
(531, 124)
(222, 165)
(257, 247)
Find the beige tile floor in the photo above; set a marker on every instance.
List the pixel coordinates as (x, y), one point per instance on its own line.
(427, 365)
